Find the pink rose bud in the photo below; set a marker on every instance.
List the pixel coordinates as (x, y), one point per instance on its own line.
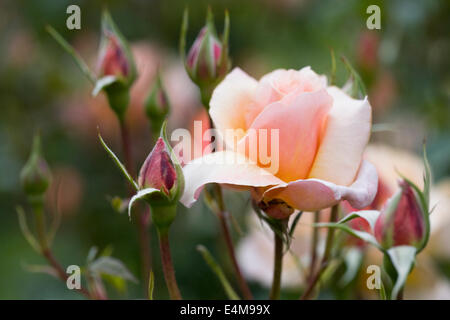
(115, 58)
(402, 221)
(117, 70)
(158, 170)
(207, 61)
(203, 59)
(112, 59)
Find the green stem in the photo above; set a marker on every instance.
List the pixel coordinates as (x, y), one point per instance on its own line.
(38, 208)
(277, 268)
(224, 219)
(39, 215)
(326, 257)
(315, 240)
(167, 265)
(224, 224)
(144, 216)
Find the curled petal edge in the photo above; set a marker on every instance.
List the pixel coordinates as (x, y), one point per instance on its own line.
(316, 194)
(224, 167)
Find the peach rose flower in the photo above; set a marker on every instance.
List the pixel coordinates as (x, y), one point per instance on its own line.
(322, 135)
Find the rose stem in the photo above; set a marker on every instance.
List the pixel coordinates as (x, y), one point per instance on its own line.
(167, 265)
(45, 250)
(315, 239)
(223, 218)
(329, 243)
(277, 268)
(143, 220)
(222, 214)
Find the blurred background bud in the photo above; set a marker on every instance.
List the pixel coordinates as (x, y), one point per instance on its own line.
(157, 106)
(117, 70)
(115, 58)
(35, 176)
(402, 220)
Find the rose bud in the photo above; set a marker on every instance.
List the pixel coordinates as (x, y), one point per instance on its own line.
(160, 183)
(402, 221)
(207, 62)
(35, 176)
(115, 58)
(157, 106)
(112, 60)
(116, 67)
(158, 170)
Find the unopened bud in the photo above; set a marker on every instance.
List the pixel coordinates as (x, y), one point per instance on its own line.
(158, 170)
(157, 106)
(207, 61)
(402, 221)
(35, 176)
(117, 70)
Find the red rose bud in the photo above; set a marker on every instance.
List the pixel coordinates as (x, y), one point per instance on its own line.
(115, 58)
(157, 106)
(35, 176)
(117, 70)
(112, 59)
(158, 170)
(402, 221)
(207, 62)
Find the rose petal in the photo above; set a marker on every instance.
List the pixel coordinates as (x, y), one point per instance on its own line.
(346, 134)
(299, 123)
(229, 100)
(315, 194)
(225, 167)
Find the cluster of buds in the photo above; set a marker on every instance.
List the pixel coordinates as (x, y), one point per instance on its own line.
(207, 61)
(157, 106)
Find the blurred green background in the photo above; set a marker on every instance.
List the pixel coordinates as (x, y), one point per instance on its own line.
(405, 66)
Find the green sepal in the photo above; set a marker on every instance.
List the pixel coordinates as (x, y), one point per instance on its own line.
(151, 285)
(398, 263)
(357, 87)
(117, 162)
(75, 56)
(369, 215)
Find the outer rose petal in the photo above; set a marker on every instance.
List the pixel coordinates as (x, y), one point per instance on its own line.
(226, 167)
(299, 122)
(229, 101)
(315, 194)
(346, 134)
